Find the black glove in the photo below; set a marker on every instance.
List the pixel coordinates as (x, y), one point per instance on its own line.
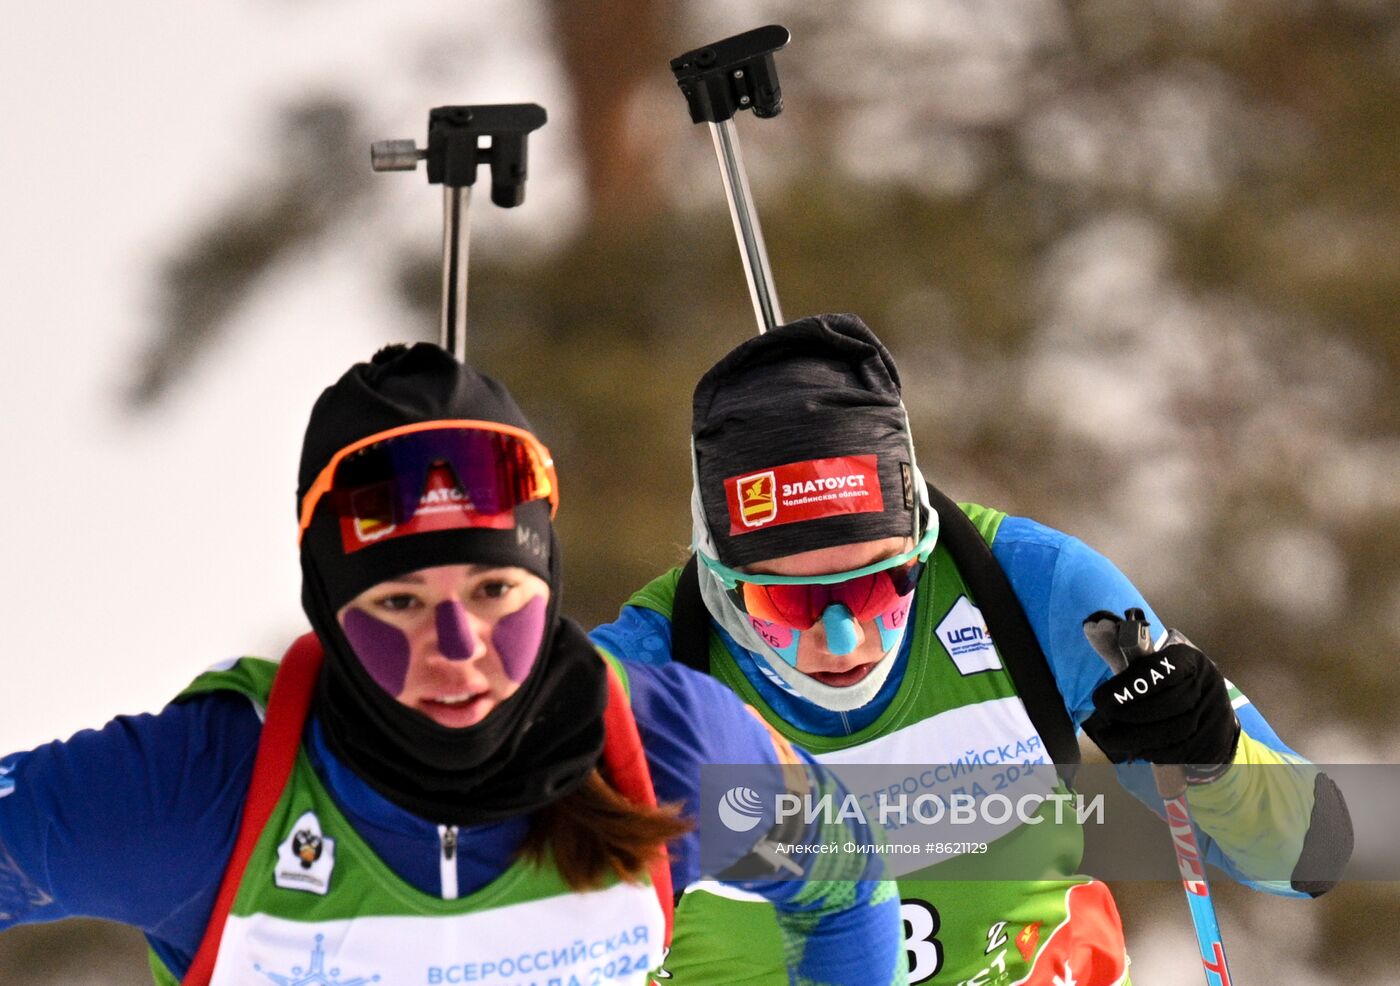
(1168, 707)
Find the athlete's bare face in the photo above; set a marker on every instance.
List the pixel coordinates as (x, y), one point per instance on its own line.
(451, 642)
(814, 656)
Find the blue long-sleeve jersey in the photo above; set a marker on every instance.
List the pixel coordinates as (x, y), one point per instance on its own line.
(1059, 581)
(135, 822)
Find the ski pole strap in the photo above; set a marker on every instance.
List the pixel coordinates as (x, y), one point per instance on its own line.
(287, 706)
(690, 621)
(1011, 631)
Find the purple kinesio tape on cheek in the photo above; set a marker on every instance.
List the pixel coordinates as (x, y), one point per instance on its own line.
(381, 648)
(517, 638)
(454, 633)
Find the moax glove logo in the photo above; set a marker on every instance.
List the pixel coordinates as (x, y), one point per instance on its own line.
(7, 783)
(740, 809)
(306, 857)
(1143, 685)
(758, 498)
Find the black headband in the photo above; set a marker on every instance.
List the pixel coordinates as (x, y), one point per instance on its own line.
(801, 442)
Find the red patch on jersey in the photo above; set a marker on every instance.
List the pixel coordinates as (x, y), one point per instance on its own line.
(1087, 949)
(803, 491)
(1028, 939)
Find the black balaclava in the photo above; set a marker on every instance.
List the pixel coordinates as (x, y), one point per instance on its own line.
(538, 744)
(822, 389)
(800, 442)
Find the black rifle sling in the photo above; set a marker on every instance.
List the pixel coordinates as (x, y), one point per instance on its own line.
(983, 574)
(690, 621)
(1025, 661)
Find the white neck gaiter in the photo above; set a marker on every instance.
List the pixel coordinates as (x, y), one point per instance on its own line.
(737, 625)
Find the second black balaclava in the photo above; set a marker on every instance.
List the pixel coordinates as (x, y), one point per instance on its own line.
(538, 744)
(800, 441)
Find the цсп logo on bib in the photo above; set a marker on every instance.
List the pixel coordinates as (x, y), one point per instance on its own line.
(740, 809)
(963, 632)
(758, 499)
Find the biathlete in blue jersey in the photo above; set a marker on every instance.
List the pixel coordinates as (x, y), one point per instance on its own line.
(873, 621)
(446, 782)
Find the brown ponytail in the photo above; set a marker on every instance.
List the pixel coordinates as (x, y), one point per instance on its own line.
(596, 832)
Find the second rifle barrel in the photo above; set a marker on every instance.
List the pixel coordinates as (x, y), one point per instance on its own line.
(455, 239)
(736, 190)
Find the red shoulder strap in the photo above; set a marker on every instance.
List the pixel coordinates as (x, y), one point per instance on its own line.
(277, 750)
(626, 764)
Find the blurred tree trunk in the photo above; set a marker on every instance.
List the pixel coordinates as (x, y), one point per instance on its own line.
(619, 142)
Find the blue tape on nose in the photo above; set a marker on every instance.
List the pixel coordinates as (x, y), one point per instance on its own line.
(840, 628)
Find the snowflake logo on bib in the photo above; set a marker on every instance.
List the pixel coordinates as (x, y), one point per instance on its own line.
(315, 974)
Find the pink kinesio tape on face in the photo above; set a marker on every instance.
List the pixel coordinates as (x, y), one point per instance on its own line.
(454, 633)
(517, 637)
(383, 650)
(893, 621)
(894, 617)
(782, 639)
(775, 635)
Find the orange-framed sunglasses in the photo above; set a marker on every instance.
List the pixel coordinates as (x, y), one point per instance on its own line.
(496, 467)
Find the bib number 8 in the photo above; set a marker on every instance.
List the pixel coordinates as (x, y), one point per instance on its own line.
(921, 923)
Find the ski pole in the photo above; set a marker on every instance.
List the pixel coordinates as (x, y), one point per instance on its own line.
(1131, 639)
(718, 81)
(453, 153)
